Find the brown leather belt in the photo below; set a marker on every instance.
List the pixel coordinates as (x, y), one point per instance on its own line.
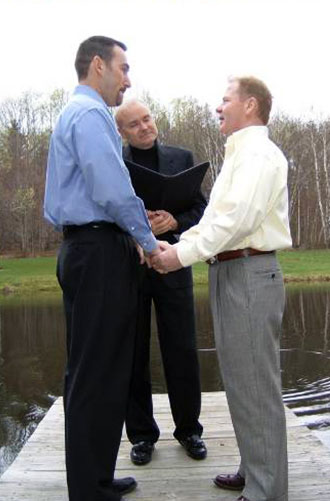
(235, 254)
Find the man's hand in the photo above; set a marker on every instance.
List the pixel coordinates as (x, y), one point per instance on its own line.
(140, 252)
(161, 221)
(167, 260)
(156, 252)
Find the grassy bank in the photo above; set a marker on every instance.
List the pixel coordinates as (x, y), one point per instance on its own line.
(297, 266)
(30, 275)
(26, 275)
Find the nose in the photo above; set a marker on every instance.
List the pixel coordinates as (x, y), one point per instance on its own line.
(219, 108)
(144, 126)
(128, 82)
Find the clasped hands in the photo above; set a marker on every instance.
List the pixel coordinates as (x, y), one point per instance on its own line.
(163, 259)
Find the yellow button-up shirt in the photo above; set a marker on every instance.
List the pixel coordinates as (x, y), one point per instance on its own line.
(248, 204)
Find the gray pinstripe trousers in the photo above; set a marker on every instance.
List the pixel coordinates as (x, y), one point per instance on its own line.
(247, 301)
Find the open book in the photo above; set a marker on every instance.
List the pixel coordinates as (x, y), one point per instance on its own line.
(174, 193)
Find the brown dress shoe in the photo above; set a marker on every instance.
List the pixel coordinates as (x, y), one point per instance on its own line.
(233, 482)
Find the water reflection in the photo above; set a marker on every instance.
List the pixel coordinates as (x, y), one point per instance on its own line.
(31, 363)
(306, 356)
(32, 357)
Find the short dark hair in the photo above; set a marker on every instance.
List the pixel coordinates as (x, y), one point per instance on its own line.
(94, 46)
(250, 86)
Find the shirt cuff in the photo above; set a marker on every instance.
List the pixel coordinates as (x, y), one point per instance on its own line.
(149, 243)
(186, 253)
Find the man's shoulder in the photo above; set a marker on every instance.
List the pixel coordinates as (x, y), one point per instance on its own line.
(267, 153)
(81, 107)
(261, 146)
(273, 150)
(85, 103)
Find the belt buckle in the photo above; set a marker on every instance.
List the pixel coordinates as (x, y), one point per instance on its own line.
(212, 260)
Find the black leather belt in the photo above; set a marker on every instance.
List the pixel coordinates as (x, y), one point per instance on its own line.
(235, 254)
(71, 229)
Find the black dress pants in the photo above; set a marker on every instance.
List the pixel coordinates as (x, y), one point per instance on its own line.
(174, 307)
(97, 272)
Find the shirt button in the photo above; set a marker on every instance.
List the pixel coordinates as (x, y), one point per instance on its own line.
(133, 228)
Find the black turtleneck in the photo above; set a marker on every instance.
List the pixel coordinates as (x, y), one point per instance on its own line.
(146, 158)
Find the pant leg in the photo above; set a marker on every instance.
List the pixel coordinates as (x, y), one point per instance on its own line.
(177, 337)
(96, 270)
(140, 423)
(247, 300)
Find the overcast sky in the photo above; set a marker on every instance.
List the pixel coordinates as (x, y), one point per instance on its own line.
(176, 48)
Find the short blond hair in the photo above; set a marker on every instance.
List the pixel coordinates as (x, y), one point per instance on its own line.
(250, 86)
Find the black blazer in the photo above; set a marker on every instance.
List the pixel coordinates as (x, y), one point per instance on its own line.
(172, 160)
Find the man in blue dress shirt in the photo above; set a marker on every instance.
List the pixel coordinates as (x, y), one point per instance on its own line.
(90, 197)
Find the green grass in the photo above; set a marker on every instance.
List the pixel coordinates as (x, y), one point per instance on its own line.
(29, 275)
(304, 265)
(297, 266)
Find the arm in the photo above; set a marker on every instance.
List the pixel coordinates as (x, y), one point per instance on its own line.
(98, 150)
(238, 206)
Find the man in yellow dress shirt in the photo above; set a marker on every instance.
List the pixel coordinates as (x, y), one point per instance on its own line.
(245, 222)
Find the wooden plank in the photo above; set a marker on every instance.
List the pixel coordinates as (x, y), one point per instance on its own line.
(38, 473)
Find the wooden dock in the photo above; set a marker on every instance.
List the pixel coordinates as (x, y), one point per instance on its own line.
(38, 473)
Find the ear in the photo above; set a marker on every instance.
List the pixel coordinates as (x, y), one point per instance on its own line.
(121, 132)
(98, 64)
(251, 106)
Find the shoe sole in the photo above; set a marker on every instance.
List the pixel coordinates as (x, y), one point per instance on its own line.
(129, 489)
(140, 463)
(227, 487)
(143, 462)
(199, 458)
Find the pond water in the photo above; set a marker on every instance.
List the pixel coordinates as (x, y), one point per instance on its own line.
(32, 357)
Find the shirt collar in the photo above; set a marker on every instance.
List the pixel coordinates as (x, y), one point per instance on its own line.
(237, 138)
(89, 91)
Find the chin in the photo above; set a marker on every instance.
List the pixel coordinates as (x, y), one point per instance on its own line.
(146, 146)
(225, 130)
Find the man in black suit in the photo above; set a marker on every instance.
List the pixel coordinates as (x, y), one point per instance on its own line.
(172, 295)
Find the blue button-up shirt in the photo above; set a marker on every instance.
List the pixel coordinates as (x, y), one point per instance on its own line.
(87, 179)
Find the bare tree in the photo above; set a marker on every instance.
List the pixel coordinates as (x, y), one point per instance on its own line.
(26, 124)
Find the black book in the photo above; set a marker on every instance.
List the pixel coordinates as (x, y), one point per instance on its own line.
(173, 193)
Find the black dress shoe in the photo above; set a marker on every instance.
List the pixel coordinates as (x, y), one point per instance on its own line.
(141, 452)
(233, 482)
(116, 488)
(194, 446)
(124, 485)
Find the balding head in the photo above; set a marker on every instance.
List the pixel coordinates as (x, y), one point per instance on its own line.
(136, 124)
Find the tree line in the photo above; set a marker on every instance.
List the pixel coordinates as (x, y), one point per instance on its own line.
(27, 122)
